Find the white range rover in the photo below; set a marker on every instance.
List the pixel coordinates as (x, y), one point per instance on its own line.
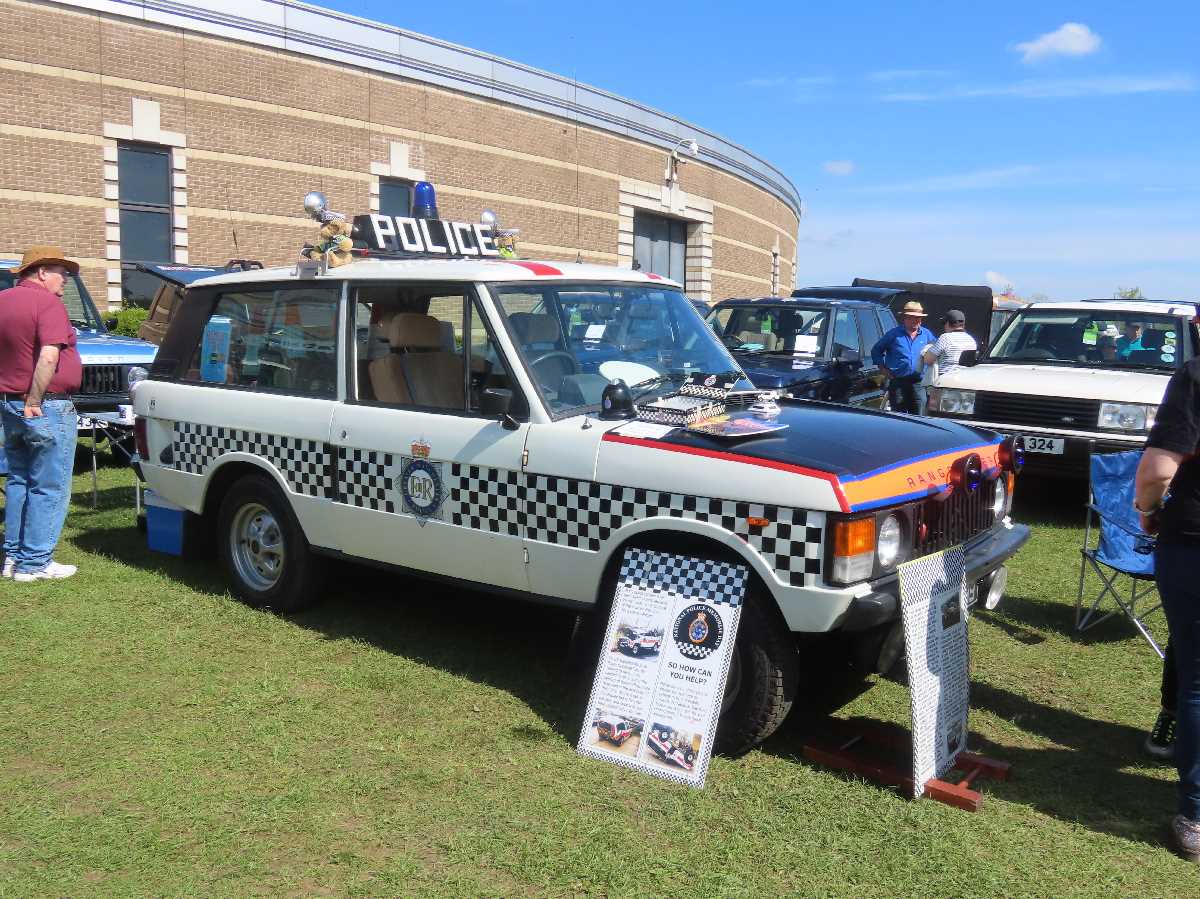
(1066, 376)
(459, 418)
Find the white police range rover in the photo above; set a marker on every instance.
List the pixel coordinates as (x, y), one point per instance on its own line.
(446, 416)
(1067, 376)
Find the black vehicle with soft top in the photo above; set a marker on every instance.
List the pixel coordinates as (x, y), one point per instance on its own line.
(815, 344)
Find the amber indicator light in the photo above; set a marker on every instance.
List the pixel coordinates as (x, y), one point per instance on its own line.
(853, 538)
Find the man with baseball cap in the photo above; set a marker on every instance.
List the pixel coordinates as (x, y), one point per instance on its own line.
(39, 370)
(949, 347)
(898, 355)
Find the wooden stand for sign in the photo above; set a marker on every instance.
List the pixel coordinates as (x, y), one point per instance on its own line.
(875, 752)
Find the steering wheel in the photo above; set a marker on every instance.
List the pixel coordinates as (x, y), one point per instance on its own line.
(732, 341)
(1034, 352)
(566, 359)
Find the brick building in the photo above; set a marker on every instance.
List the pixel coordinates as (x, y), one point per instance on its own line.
(190, 131)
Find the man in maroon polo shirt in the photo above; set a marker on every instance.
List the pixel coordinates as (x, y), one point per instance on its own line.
(39, 370)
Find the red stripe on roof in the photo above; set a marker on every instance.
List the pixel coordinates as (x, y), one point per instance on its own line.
(653, 277)
(832, 480)
(538, 268)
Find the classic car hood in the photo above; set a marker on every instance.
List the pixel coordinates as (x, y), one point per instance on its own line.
(1113, 384)
(96, 348)
(869, 458)
(769, 372)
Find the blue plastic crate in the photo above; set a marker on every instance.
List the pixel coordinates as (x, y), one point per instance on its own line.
(164, 525)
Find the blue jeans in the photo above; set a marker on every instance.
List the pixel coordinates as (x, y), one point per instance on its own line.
(907, 395)
(41, 458)
(1175, 566)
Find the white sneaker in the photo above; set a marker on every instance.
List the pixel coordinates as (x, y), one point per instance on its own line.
(52, 572)
(9, 565)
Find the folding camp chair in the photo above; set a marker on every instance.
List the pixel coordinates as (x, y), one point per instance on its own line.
(1123, 547)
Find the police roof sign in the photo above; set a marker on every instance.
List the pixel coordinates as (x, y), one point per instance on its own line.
(405, 234)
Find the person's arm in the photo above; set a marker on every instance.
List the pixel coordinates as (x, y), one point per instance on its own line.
(1154, 475)
(932, 351)
(43, 371)
(877, 353)
(1174, 437)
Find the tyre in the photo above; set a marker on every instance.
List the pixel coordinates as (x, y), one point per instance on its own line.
(264, 550)
(635, 649)
(763, 677)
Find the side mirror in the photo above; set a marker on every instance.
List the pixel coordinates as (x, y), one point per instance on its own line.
(848, 357)
(495, 403)
(969, 358)
(110, 322)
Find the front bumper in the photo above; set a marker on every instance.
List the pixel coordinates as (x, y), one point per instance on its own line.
(1073, 461)
(983, 555)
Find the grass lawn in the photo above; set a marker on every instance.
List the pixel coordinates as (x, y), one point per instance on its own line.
(158, 738)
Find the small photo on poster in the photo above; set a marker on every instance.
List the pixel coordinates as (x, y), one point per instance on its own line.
(670, 748)
(637, 639)
(618, 734)
(951, 612)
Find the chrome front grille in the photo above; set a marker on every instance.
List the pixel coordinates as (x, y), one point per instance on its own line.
(956, 520)
(1040, 411)
(104, 379)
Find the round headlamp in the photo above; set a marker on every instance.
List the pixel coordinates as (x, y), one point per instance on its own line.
(135, 376)
(1000, 498)
(887, 543)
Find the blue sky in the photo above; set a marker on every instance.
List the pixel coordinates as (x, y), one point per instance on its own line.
(1051, 146)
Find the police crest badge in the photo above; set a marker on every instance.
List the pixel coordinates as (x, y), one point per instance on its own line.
(422, 489)
(698, 631)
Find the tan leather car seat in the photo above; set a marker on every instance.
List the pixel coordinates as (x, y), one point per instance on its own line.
(387, 374)
(433, 376)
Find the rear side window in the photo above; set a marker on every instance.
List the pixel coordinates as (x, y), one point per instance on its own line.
(277, 339)
(868, 324)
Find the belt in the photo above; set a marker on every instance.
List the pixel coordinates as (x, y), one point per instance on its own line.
(20, 397)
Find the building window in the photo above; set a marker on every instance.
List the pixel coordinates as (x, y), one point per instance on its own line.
(144, 199)
(659, 245)
(395, 197)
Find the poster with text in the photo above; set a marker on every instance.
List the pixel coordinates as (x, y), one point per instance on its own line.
(934, 610)
(663, 663)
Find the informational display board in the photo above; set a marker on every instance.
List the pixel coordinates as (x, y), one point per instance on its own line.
(661, 675)
(934, 610)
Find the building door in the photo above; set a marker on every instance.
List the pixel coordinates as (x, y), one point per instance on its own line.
(659, 245)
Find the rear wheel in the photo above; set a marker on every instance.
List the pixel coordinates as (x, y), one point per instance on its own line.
(263, 549)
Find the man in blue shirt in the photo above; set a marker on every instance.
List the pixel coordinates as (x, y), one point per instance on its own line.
(898, 355)
(1131, 340)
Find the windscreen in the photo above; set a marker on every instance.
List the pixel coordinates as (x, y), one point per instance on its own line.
(80, 308)
(764, 329)
(1100, 338)
(576, 338)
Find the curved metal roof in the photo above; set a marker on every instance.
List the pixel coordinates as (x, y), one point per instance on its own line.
(329, 35)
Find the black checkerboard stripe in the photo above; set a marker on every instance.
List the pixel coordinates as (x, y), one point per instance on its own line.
(304, 464)
(563, 511)
(365, 479)
(486, 499)
(714, 582)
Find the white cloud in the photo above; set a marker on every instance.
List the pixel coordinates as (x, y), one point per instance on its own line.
(1055, 88)
(998, 282)
(982, 179)
(839, 167)
(906, 74)
(1071, 39)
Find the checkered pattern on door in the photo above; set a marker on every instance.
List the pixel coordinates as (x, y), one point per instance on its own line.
(304, 464)
(486, 499)
(366, 478)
